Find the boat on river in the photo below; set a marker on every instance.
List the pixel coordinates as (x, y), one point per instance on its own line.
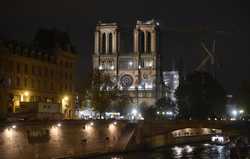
(220, 140)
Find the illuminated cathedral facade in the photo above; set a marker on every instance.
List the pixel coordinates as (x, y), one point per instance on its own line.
(136, 71)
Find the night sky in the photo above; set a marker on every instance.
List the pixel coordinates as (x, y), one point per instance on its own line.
(183, 23)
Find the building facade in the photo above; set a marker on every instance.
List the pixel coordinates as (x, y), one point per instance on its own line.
(137, 71)
(32, 75)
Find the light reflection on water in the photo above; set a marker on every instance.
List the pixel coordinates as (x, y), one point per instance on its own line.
(202, 151)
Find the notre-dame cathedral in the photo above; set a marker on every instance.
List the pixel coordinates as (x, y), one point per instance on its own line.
(137, 70)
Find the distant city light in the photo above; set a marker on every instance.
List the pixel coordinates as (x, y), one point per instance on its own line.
(26, 93)
(206, 144)
(13, 126)
(169, 113)
(189, 149)
(134, 112)
(150, 64)
(139, 87)
(177, 150)
(217, 138)
(112, 127)
(241, 111)
(234, 112)
(91, 124)
(100, 67)
(237, 113)
(59, 125)
(232, 119)
(65, 98)
(130, 63)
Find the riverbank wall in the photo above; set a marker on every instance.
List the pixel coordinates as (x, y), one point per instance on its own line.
(62, 139)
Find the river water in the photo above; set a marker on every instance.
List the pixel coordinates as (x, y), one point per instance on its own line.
(192, 151)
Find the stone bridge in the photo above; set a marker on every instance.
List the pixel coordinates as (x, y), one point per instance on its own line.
(43, 140)
(152, 128)
(161, 133)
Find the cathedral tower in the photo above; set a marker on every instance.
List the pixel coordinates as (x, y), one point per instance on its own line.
(137, 71)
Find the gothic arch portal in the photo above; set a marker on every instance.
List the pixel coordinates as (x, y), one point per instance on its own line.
(148, 42)
(110, 47)
(103, 43)
(141, 42)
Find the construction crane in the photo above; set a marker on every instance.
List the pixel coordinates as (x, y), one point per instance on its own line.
(210, 55)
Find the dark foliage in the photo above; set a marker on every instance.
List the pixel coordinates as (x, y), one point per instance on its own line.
(105, 95)
(243, 96)
(200, 96)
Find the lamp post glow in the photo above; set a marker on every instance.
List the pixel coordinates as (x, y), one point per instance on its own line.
(65, 103)
(169, 113)
(100, 67)
(134, 112)
(91, 124)
(25, 96)
(234, 113)
(66, 98)
(241, 111)
(130, 63)
(26, 93)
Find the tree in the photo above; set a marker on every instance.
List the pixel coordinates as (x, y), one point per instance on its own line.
(200, 96)
(243, 96)
(105, 93)
(165, 103)
(3, 106)
(101, 93)
(149, 113)
(3, 98)
(121, 101)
